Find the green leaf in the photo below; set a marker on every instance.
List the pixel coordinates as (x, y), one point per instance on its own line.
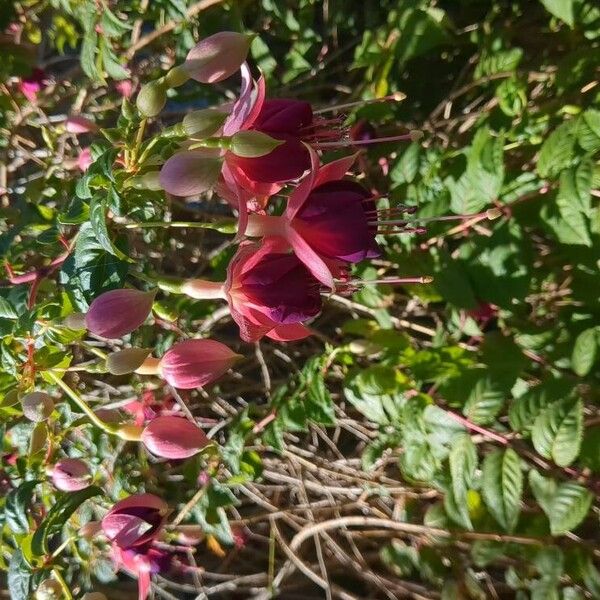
(561, 9)
(112, 66)
(556, 153)
(463, 463)
(19, 577)
(584, 352)
(566, 504)
(98, 209)
(406, 168)
(7, 310)
(58, 515)
(111, 25)
(88, 54)
(17, 503)
(502, 486)
(498, 61)
(558, 430)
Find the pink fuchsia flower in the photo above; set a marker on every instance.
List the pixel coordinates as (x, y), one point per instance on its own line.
(34, 83)
(78, 124)
(269, 291)
(116, 313)
(135, 521)
(173, 437)
(195, 363)
(70, 475)
(218, 56)
(84, 159)
(125, 87)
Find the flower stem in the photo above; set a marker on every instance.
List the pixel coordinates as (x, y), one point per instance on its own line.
(225, 226)
(63, 584)
(82, 404)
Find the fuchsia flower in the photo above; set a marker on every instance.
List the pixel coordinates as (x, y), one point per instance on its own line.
(34, 83)
(116, 313)
(173, 437)
(135, 521)
(269, 291)
(70, 475)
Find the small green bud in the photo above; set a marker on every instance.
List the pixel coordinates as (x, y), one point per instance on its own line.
(203, 123)
(252, 144)
(152, 98)
(177, 76)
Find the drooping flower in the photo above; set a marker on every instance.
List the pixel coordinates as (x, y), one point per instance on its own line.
(135, 521)
(70, 475)
(116, 313)
(173, 437)
(34, 83)
(269, 291)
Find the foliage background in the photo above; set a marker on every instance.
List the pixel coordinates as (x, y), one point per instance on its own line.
(446, 437)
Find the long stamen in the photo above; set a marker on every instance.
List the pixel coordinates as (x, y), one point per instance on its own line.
(392, 280)
(395, 97)
(412, 136)
(490, 214)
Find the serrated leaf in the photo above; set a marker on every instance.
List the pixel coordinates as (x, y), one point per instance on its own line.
(524, 410)
(88, 54)
(566, 504)
(561, 9)
(19, 577)
(98, 209)
(463, 462)
(57, 516)
(584, 352)
(485, 400)
(7, 311)
(558, 430)
(502, 486)
(111, 25)
(15, 508)
(406, 168)
(112, 66)
(556, 152)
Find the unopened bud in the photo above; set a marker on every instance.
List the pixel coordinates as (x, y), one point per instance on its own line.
(252, 144)
(177, 76)
(118, 312)
(194, 363)
(173, 437)
(49, 589)
(203, 123)
(190, 172)
(37, 406)
(126, 360)
(152, 98)
(218, 56)
(70, 475)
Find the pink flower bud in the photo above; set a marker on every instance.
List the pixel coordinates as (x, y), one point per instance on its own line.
(84, 159)
(118, 312)
(190, 172)
(70, 475)
(173, 437)
(79, 124)
(135, 521)
(218, 56)
(37, 406)
(194, 363)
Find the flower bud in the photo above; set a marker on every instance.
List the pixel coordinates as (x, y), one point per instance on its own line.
(194, 363)
(203, 123)
(135, 521)
(126, 361)
(37, 406)
(252, 144)
(173, 437)
(152, 98)
(218, 56)
(94, 596)
(49, 589)
(177, 76)
(118, 312)
(130, 433)
(70, 475)
(79, 124)
(190, 172)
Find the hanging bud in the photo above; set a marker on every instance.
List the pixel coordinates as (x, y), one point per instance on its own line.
(194, 363)
(218, 56)
(126, 361)
(152, 98)
(203, 123)
(177, 76)
(37, 406)
(190, 172)
(49, 589)
(78, 124)
(118, 312)
(70, 475)
(173, 437)
(252, 144)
